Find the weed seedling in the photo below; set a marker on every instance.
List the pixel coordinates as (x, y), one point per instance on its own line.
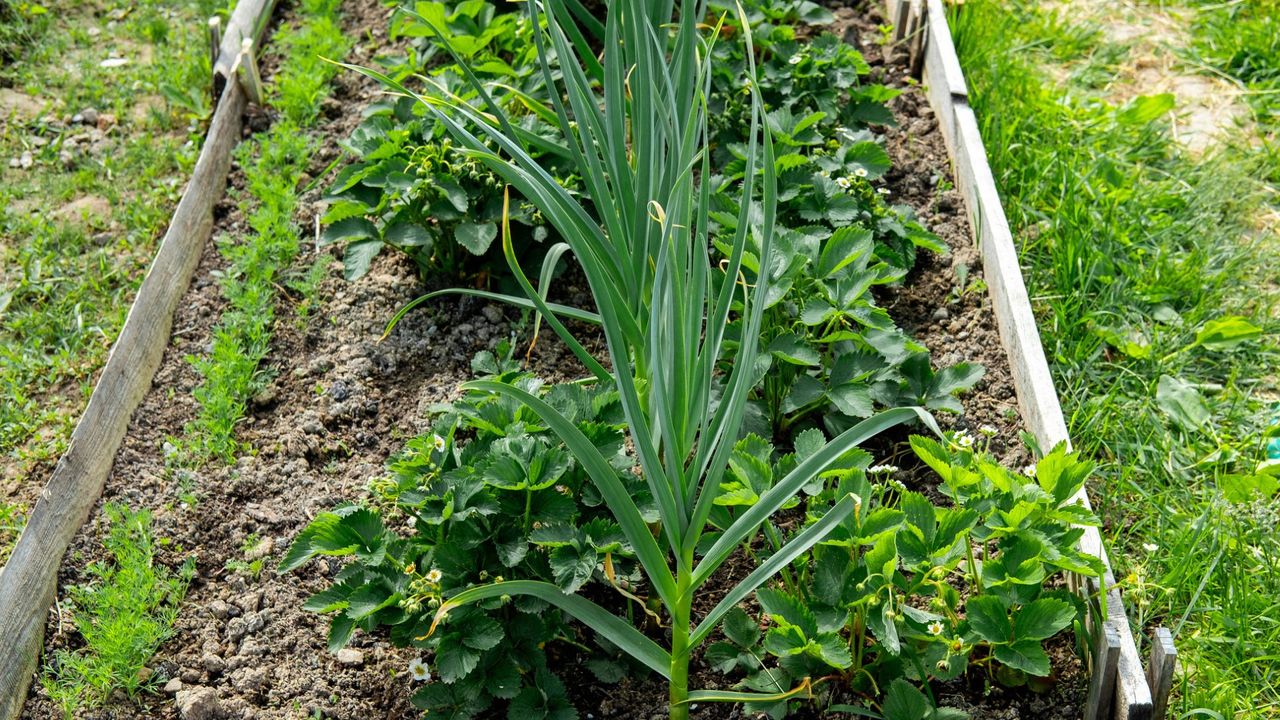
(123, 611)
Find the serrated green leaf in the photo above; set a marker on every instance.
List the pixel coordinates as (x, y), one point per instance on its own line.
(349, 229)
(572, 567)
(481, 633)
(833, 650)
(1025, 655)
(357, 257)
(341, 628)
(740, 628)
(502, 679)
(475, 237)
(407, 234)
(808, 442)
(455, 660)
(852, 399)
(988, 618)
(1042, 619)
(846, 245)
(957, 378)
(785, 640)
(904, 702)
(791, 348)
(786, 608)
(885, 627)
(369, 599)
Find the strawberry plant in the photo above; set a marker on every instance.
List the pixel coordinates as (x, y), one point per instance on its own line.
(906, 591)
(832, 355)
(489, 495)
(409, 187)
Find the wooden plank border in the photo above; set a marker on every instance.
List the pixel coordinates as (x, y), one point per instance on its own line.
(1038, 401)
(28, 583)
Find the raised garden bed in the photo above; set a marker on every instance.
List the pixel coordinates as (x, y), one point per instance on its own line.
(342, 402)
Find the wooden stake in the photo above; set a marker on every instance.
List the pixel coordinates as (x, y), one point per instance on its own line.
(899, 17)
(916, 40)
(1160, 671)
(215, 40)
(1102, 673)
(248, 20)
(248, 71)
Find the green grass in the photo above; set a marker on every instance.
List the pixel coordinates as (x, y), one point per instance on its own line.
(21, 24)
(124, 610)
(1241, 40)
(12, 520)
(303, 81)
(274, 164)
(65, 283)
(1129, 248)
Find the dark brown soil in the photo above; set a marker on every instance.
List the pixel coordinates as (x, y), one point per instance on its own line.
(341, 402)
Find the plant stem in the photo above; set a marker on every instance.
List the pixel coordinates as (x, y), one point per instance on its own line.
(680, 649)
(788, 579)
(528, 508)
(973, 566)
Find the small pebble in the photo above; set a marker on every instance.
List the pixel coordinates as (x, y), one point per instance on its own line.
(350, 657)
(941, 314)
(26, 160)
(200, 703)
(173, 686)
(213, 664)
